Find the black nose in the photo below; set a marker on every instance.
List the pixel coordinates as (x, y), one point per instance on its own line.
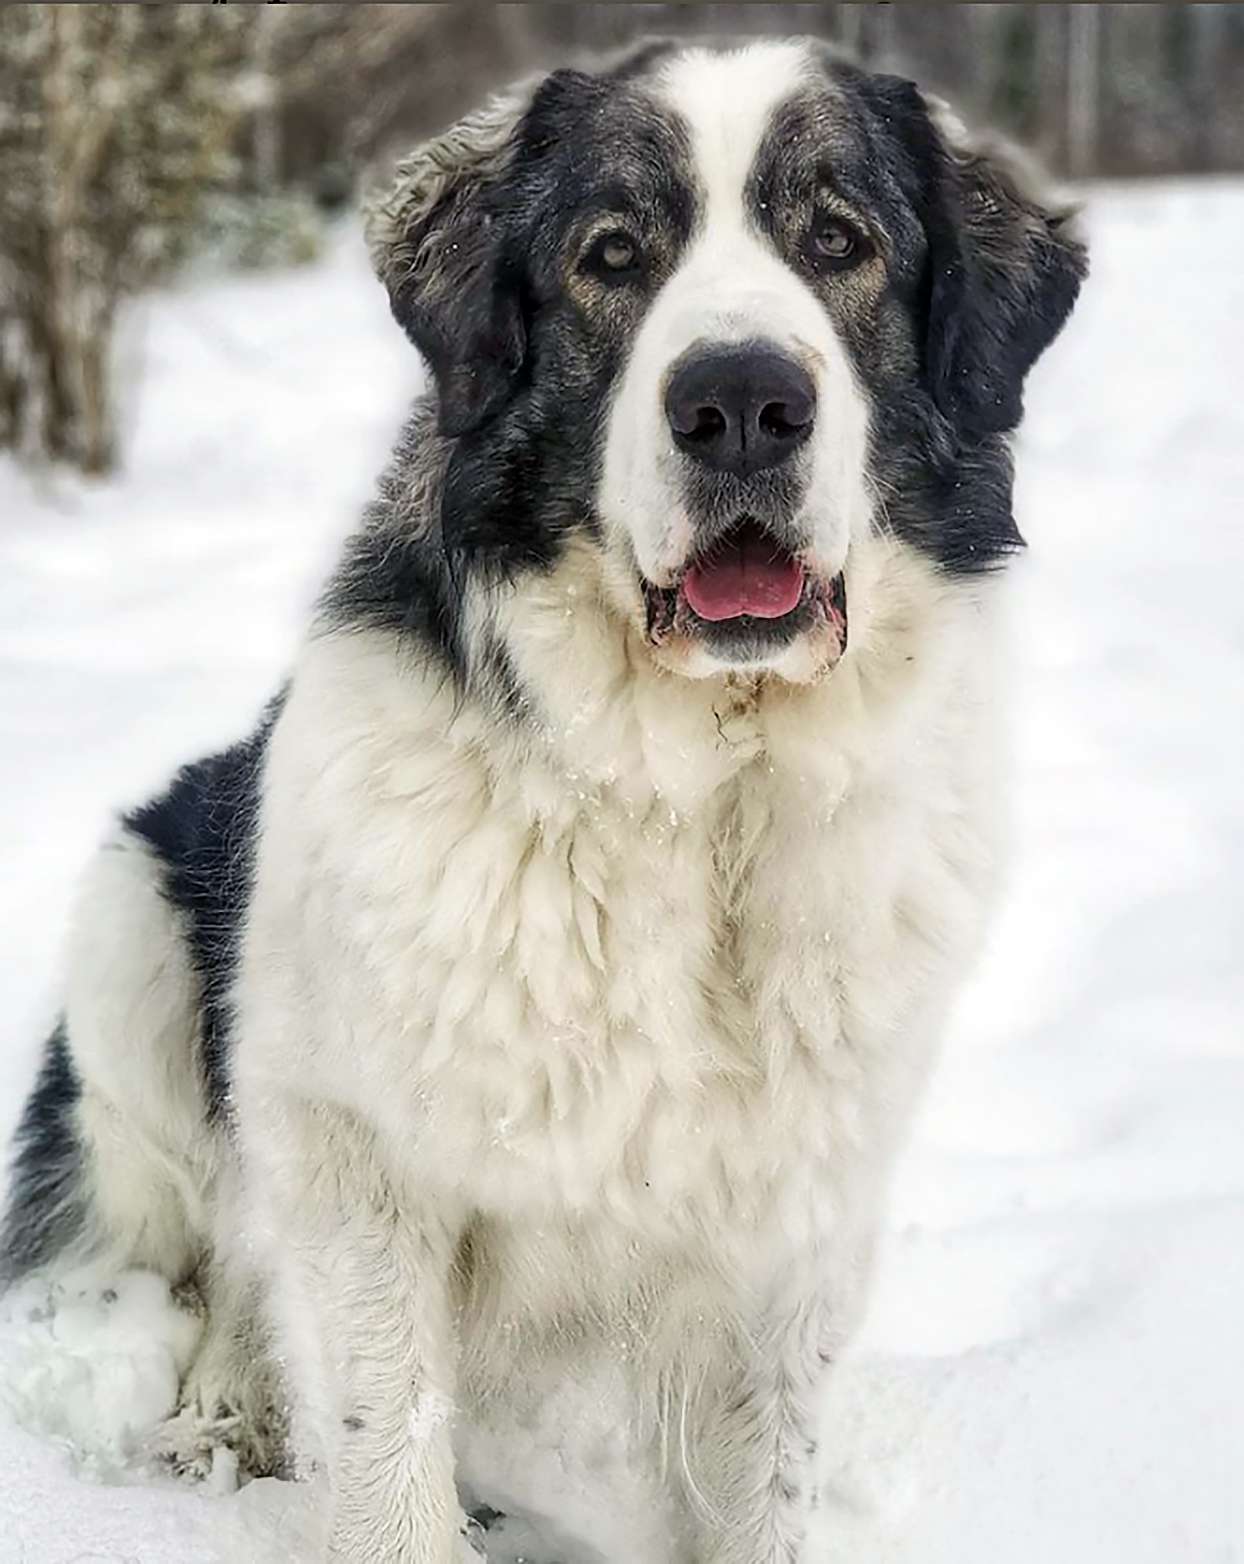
(740, 409)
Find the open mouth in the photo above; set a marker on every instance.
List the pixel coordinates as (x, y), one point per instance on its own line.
(747, 593)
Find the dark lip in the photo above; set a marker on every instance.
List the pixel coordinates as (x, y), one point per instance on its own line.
(824, 601)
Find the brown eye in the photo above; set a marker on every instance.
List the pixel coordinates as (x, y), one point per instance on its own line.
(836, 244)
(619, 253)
(614, 255)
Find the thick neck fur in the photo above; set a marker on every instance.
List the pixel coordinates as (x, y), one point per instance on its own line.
(571, 670)
(650, 914)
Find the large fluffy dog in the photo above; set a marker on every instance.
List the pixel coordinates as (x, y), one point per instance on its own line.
(521, 1024)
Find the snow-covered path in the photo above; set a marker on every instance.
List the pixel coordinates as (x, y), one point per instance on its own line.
(1052, 1369)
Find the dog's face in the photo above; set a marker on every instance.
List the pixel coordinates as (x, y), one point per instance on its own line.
(729, 314)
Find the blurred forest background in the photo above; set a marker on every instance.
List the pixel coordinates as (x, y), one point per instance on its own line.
(136, 138)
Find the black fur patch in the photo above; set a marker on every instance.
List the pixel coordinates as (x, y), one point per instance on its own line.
(490, 482)
(590, 150)
(46, 1209)
(978, 280)
(402, 584)
(203, 831)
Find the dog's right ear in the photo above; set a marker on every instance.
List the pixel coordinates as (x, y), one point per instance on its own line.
(1007, 261)
(438, 243)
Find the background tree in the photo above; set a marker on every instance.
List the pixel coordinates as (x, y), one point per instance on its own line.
(1097, 89)
(113, 120)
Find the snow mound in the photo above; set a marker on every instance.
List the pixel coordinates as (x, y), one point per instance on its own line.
(95, 1364)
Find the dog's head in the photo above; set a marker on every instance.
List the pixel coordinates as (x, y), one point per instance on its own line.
(727, 314)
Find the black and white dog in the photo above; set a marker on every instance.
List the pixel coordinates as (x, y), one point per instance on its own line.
(520, 1026)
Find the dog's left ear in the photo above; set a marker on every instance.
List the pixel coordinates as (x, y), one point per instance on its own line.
(1006, 267)
(438, 243)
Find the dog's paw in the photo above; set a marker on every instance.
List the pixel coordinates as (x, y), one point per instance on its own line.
(200, 1449)
(221, 1434)
(472, 1541)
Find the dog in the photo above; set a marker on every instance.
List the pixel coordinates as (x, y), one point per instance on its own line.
(512, 1038)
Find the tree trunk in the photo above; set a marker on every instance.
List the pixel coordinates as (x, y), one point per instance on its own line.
(1083, 88)
(97, 452)
(1052, 26)
(72, 321)
(267, 150)
(55, 322)
(1209, 38)
(14, 380)
(867, 30)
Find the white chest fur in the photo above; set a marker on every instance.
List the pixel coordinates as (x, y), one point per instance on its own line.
(677, 958)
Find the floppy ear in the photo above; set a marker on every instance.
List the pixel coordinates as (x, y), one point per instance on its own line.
(437, 240)
(1006, 267)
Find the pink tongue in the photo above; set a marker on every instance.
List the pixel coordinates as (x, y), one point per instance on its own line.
(748, 576)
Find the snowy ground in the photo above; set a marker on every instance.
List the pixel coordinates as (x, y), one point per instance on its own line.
(1053, 1366)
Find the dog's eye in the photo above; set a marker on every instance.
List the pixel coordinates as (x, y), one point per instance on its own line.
(614, 255)
(837, 244)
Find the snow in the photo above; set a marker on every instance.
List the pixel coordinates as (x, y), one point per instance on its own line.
(1051, 1367)
(96, 1367)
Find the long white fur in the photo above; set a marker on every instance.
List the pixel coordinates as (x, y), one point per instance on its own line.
(572, 1055)
(131, 1007)
(163, 1187)
(635, 1008)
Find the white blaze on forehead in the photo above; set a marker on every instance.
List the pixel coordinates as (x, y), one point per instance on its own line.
(730, 286)
(728, 102)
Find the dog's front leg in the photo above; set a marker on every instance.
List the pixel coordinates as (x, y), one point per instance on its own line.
(363, 1307)
(751, 1475)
